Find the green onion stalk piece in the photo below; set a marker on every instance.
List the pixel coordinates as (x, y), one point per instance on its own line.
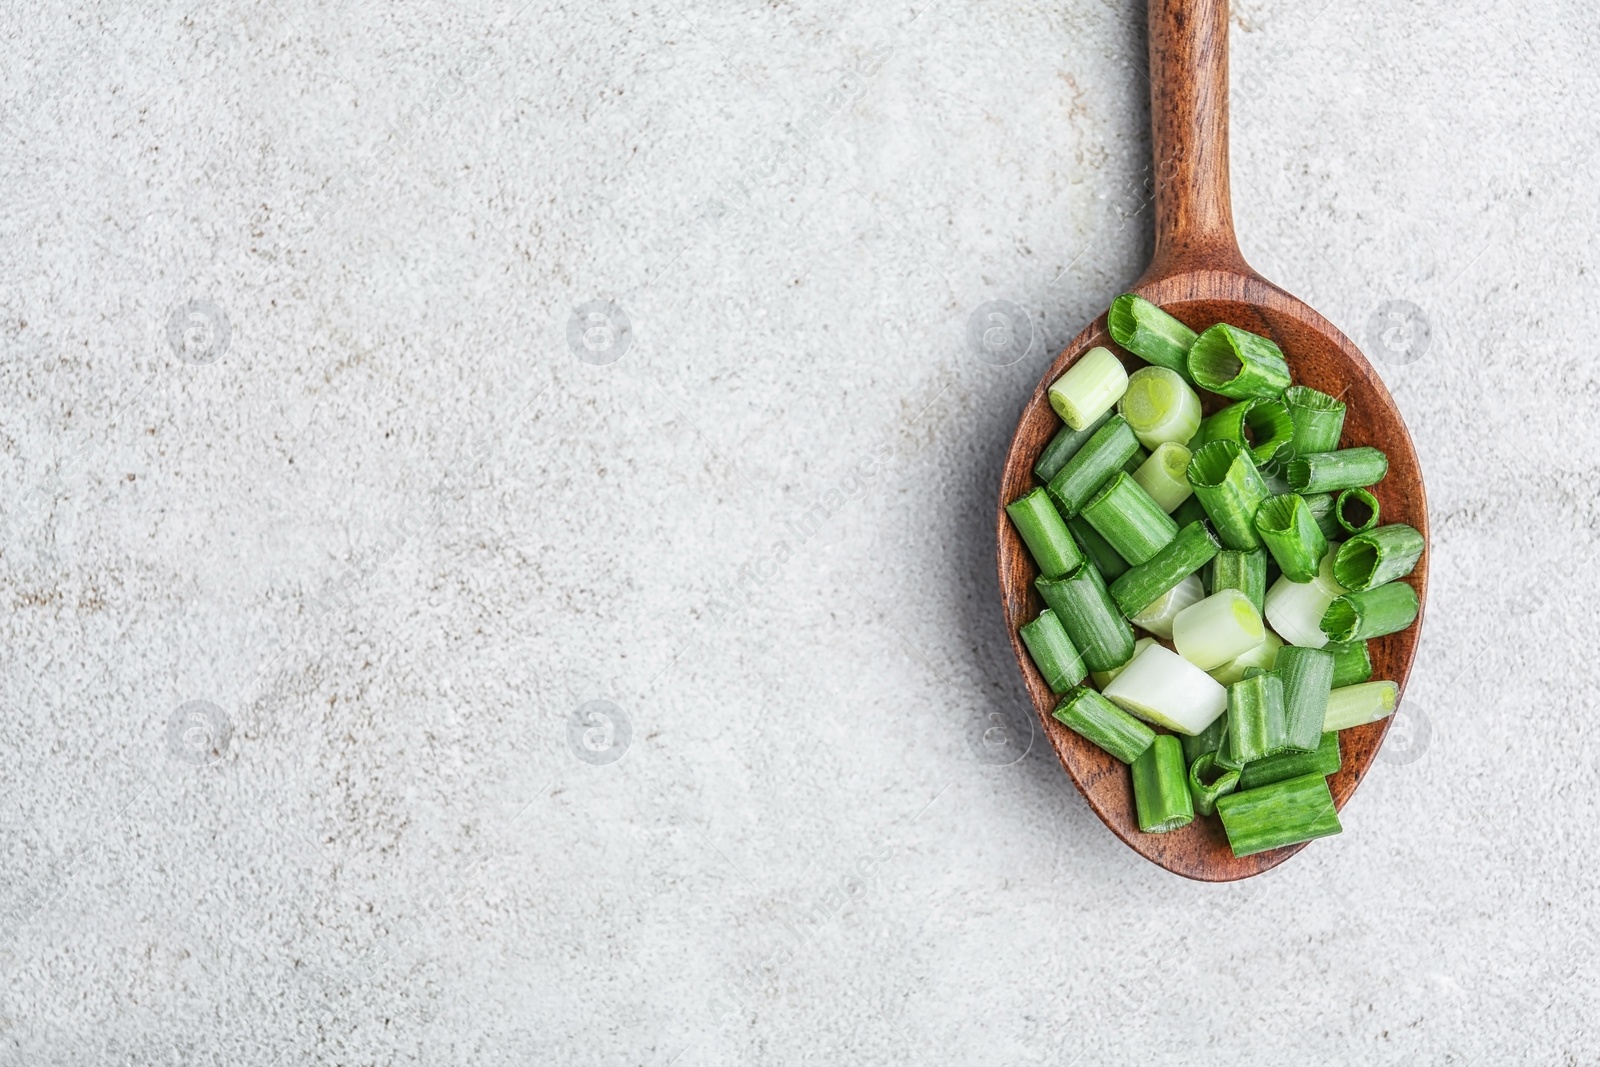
(1256, 724)
(1291, 535)
(1356, 511)
(1324, 507)
(1295, 609)
(1164, 689)
(1089, 388)
(1182, 556)
(1237, 363)
(1096, 719)
(1157, 616)
(1357, 705)
(1165, 476)
(1062, 447)
(1230, 489)
(1045, 533)
(1352, 662)
(1129, 519)
(1052, 652)
(1245, 571)
(1160, 407)
(1257, 424)
(1378, 556)
(1150, 333)
(1209, 780)
(1107, 449)
(1307, 675)
(1283, 813)
(1211, 739)
(1218, 628)
(1097, 549)
(1322, 759)
(1329, 472)
(1100, 634)
(1370, 613)
(1318, 420)
(1161, 788)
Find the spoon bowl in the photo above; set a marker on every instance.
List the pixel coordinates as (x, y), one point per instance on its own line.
(1198, 276)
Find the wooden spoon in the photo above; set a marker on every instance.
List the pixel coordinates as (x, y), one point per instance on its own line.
(1199, 276)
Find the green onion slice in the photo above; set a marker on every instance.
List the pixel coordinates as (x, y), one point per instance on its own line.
(1052, 652)
(1164, 689)
(1062, 447)
(1283, 813)
(1218, 628)
(1127, 517)
(1321, 759)
(1237, 363)
(1164, 475)
(1245, 571)
(1089, 388)
(1157, 616)
(1101, 456)
(1150, 333)
(1160, 406)
(1356, 511)
(1307, 675)
(1230, 488)
(1357, 705)
(1352, 662)
(1291, 535)
(1209, 780)
(1318, 419)
(1370, 613)
(1095, 718)
(1256, 723)
(1323, 507)
(1182, 556)
(1101, 635)
(1378, 556)
(1329, 472)
(1045, 533)
(1161, 788)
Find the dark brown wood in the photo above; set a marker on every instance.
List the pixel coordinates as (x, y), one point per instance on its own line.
(1198, 275)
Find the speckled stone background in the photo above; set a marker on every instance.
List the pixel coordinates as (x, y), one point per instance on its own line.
(497, 535)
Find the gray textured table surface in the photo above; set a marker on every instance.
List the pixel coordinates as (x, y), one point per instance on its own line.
(314, 446)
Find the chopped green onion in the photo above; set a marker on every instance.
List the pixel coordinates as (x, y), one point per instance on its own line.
(1328, 472)
(1129, 519)
(1324, 509)
(1357, 705)
(1263, 657)
(1136, 460)
(1045, 533)
(1295, 609)
(1356, 511)
(1291, 535)
(1107, 449)
(1182, 556)
(1371, 559)
(1210, 739)
(1317, 417)
(1375, 612)
(1100, 634)
(1052, 652)
(1322, 758)
(1160, 406)
(1095, 718)
(1352, 662)
(1257, 424)
(1161, 788)
(1102, 679)
(1283, 813)
(1307, 675)
(1105, 559)
(1150, 333)
(1164, 476)
(1218, 628)
(1163, 688)
(1157, 615)
(1062, 447)
(1245, 571)
(1237, 363)
(1206, 784)
(1256, 724)
(1089, 388)
(1230, 488)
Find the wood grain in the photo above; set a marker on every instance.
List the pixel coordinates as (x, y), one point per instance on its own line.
(1198, 275)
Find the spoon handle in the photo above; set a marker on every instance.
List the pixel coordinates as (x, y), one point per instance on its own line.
(1189, 127)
